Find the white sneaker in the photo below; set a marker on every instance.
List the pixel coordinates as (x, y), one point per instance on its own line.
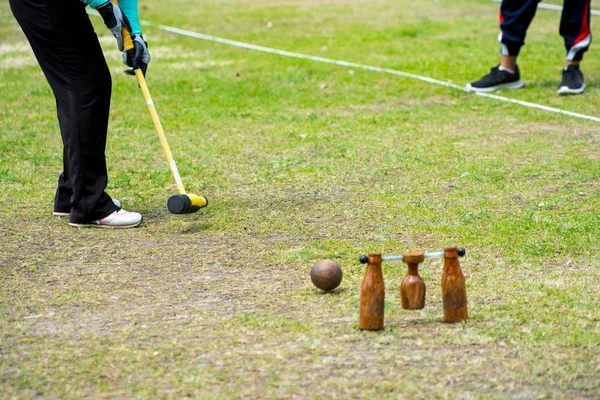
(66, 214)
(118, 219)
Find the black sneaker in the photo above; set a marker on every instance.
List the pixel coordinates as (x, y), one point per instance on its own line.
(497, 80)
(572, 81)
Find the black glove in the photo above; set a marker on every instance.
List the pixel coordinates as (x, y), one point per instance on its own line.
(115, 20)
(138, 57)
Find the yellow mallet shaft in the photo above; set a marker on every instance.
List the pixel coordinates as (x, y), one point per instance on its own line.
(159, 129)
(182, 203)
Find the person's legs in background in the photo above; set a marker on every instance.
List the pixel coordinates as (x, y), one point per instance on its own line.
(575, 30)
(515, 18)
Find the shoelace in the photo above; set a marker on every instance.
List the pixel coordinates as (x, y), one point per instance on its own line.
(497, 75)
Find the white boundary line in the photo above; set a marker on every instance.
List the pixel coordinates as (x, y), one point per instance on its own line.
(552, 7)
(285, 53)
(368, 68)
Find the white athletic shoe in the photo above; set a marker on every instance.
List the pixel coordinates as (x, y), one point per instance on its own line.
(66, 214)
(118, 219)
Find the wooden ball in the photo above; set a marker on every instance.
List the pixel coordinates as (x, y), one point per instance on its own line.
(326, 275)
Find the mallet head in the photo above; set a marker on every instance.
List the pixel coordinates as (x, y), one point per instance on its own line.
(186, 203)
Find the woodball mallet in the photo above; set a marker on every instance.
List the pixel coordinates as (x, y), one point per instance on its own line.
(182, 203)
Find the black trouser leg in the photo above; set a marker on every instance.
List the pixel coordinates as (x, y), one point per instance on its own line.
(67, 49)
(515, 18)
(64, 192)
(575, 28)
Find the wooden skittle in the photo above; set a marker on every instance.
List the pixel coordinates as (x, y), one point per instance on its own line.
(412, 289)
(454, 293)
(372, 296)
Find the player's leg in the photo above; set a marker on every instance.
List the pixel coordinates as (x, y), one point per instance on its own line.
(575, 30)
(515, 18)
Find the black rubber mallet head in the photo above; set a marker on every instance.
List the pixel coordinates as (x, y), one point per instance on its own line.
(186, 203)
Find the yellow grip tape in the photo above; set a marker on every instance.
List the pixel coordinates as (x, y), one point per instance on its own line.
(127, 42)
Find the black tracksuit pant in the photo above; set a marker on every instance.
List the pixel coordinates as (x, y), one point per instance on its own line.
(516, 15)
(68, 52)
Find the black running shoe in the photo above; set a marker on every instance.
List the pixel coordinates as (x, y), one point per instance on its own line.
(497, 80)
(572, 81)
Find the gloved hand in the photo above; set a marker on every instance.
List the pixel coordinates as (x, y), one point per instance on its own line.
(115, 20)
(138, 57)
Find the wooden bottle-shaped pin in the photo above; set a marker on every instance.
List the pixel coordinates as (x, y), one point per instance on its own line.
(412, 289)
(372, 295)
(454, 292)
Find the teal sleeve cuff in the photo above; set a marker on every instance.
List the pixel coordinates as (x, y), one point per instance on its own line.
(130, 8)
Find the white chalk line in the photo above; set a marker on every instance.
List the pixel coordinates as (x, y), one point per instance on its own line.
(285, 53)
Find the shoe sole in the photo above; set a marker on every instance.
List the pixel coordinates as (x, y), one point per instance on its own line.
(566, 90)
(104, 226)
(511, 85)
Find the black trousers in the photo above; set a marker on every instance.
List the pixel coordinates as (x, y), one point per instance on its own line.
(516, 15)
(68, 52)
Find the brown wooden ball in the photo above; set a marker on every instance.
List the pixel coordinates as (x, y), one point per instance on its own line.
(326, 275)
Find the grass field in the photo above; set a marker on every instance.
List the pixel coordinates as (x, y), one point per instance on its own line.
(302, 161)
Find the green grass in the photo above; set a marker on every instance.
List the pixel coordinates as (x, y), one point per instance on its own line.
(302, 161)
